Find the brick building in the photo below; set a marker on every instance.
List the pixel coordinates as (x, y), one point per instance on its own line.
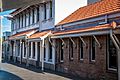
(88, 41)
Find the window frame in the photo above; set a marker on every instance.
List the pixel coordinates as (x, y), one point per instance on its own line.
(92, 46)
(71, 50)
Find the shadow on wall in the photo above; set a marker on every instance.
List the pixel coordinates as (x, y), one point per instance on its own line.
(8, 76)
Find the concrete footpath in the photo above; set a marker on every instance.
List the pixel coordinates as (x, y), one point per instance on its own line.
(15, 71)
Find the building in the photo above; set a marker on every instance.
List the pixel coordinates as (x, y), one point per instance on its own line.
(88, 41)
(5, 44)
(31, 27)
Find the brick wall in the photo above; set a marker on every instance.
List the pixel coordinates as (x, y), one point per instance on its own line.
(85, 68)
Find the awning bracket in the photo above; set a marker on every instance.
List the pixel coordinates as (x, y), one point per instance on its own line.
(63, 41)
(83, 41)
(96, 40)
(51, 42)
(72, 41)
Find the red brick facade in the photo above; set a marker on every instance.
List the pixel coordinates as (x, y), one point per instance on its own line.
(85, 68)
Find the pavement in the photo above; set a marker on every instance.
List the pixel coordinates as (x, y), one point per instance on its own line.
(15, 71)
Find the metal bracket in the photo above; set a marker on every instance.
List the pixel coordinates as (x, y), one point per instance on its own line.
(83, 41)
(51, 42)
(113, 39)
(97, 41)
(116, 39)
(63, 41)
(72, 41)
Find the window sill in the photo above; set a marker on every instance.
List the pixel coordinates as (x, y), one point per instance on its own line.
(49, 60)
(44, 20)
(112, 71)
(50, 19)
(81, 60)
(61, 61)
(92, 62)
(71, 59)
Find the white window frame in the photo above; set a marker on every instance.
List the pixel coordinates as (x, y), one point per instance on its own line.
(82, 52)
(92, 51)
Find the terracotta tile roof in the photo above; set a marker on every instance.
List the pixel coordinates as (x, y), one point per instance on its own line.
(21, 34)
(96, 9)
(100, 27)
(38, 35)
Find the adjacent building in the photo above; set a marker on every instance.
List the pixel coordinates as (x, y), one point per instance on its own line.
(5, 44)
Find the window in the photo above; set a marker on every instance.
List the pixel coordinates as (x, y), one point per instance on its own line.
(25, 19)
(33, 56)
(24, 49)
(33, 16)
(81, 50)
(29, 16)
(29, 49)
(92, 54)
(19, 22)
(38, 52)
(112, 55)
(19, 48)
(22, 20)
(44, 52)
(45, 11)
(37, 14)
(70, 50)
(50, 9)
(50, 51)
(61, 51)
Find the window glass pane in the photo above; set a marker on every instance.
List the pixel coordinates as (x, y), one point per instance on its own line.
(61, 54)
(81, 50)
(50, 51)
(33, 50)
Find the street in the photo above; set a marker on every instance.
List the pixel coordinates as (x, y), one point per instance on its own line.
(15, 72)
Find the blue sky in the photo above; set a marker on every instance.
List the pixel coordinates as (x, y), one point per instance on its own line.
(6, 24)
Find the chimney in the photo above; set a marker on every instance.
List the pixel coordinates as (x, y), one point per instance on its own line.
(92, 1)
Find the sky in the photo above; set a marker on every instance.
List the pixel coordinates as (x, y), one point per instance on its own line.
(62, 10)
(5, 22)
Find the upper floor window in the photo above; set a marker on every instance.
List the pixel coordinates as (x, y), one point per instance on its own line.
(92, 53)
(33, 16)
(45, 11)
(50, 9)
(38, 14)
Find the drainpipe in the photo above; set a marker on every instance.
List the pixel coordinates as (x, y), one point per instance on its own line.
(118, 51)
(43, 41)
(27, 51)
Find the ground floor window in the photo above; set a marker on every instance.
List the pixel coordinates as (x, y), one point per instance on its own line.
(38, 50)
(44, 52)
(81, 50)
(112, 55)
(50, 51)
(24, 49)
(61, 51)
(92, 49)
(29, 49)
(70, 50)
(33, 55)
